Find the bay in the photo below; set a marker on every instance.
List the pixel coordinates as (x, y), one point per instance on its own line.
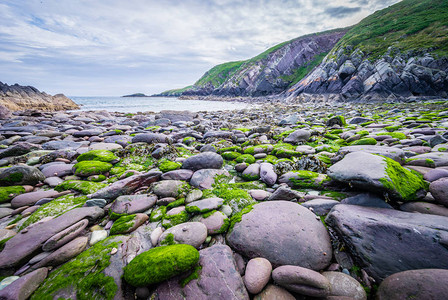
(153, 104)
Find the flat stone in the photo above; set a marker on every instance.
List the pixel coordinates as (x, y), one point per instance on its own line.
(19, 248)
(384, 240)
(184, 175)
(96, 202)
(435, 174)
(320, 207)
(65, 236)
(266, 231)
(394, 153)
(59, 170)
(53, 181)
(258, 273)
(150, 138)
(366, 199)
(127, 186)
(28, 199)
(105, 146)
(24, 287)
(300, 135)
(425, 208)
(131, 204)
(205, 160)
(64, 254)
(191, 233)
(168, 188)
(61, 145)
(301, 280)
(204, 205)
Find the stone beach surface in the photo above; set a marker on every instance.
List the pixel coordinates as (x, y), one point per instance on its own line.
(311, 201)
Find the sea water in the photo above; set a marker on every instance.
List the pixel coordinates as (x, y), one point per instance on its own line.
(153, 104)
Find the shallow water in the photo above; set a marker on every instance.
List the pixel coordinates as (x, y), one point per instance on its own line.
(154, 104)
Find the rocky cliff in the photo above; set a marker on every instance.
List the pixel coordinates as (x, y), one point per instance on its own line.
(269, 73)
(397, 52)
(17, 97)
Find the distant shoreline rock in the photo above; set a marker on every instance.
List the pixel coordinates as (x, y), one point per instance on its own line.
(136, 95)
(17, 97)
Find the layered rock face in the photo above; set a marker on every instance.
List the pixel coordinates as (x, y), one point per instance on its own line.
(353, 76)
(17, 97)
(271, 72)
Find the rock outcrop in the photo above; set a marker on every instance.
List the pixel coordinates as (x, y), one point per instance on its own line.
(17, 97)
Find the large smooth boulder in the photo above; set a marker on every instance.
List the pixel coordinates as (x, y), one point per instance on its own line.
(285, 233)
(415, 284)
(378, 174)
(206, 160)
(217, 278)
(300, 135)
(387, 241)
(205, 178)
(343, 285)
(190, 233)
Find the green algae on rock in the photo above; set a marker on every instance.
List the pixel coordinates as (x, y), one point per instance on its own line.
(91, 167)
(83, 274)
(247, 158)
(97, 155)
(123, 224)
(159, 264)
(85, 187)
(166, 166)
(54, 208)
(305, 179)
(9, 192)
(405, 184)
(364, 141)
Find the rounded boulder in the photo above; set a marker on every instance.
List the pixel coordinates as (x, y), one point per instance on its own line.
(283, 232)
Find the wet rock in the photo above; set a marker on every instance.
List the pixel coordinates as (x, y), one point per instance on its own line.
(205, 160)
(366, 199)
(19, 148)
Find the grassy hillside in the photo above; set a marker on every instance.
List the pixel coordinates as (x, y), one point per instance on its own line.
(218, 74)
(407, 25)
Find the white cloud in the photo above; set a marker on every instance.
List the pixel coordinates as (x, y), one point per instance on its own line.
(168, 43)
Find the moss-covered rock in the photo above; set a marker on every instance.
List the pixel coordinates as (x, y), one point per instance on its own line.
(9, 192)
(230, 155)
(396, 135)
(304, 179)
(85, 187)
(123, 224)
(364, 141)
(247, 158)
(159, 264)
(55, 208)
(91, 167)
(157, 214)
(83, 275)
(170, 220)
(98, 155)
(166, 166)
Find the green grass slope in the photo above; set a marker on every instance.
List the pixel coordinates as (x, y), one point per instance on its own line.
(408, 25)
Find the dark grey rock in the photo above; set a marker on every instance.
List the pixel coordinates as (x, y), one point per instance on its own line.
(20, 175)
(366, 199)
(384, 241)
(150, 138)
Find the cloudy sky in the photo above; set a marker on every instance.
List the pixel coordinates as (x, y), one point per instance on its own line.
(116, 47)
